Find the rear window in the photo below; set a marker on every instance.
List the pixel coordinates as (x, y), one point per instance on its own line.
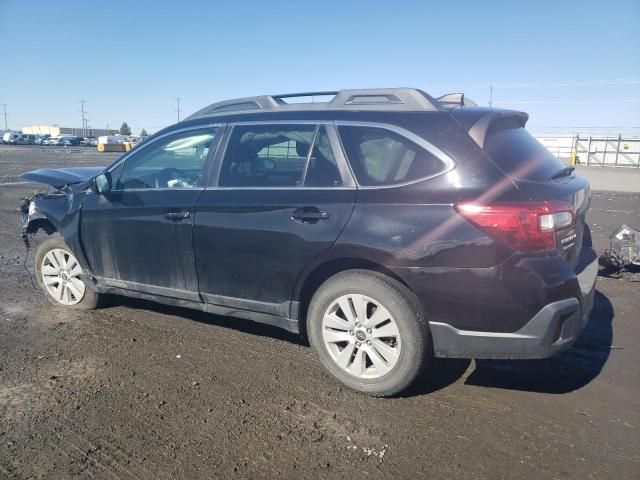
(381, 157)
(519, 154)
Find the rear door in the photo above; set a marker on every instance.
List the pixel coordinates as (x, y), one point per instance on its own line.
(281, 196)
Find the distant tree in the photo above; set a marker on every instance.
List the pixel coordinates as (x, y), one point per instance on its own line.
(124, 129)
(144, 133)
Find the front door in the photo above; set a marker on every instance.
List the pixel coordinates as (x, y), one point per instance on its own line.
(139, 236)
(281, 199)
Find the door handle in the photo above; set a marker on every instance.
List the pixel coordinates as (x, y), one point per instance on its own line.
(177, 215)
(309, 215)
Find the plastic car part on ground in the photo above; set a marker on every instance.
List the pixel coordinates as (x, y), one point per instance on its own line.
(624, 252)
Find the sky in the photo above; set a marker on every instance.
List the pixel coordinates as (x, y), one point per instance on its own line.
(572, 65)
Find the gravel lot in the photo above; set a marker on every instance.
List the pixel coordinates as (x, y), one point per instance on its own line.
(138, 390)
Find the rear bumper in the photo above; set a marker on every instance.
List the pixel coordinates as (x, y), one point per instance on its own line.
(552, 330)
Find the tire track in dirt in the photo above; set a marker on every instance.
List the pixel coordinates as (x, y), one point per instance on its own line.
(94, 448)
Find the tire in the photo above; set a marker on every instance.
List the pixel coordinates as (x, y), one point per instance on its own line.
(382, 360)
(52, 254)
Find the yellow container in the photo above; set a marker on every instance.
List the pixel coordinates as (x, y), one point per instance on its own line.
(112, 147)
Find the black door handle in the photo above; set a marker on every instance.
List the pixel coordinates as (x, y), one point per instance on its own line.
(177, 215)
(309, 215)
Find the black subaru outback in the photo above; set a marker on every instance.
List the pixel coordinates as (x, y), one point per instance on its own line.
(385, 225)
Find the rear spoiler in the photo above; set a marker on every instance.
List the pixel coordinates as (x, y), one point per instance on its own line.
(478, 122)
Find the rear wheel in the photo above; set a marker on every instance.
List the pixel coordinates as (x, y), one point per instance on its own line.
(369, 331)
(58, 273)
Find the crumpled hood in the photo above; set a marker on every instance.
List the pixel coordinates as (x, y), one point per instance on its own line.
(58, 177)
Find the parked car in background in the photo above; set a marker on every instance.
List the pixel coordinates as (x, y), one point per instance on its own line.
(71, 141)
(89, 142)
(41, 138)
(55, 141)
(140, 140)
(49, 141)
(63, 141)
(386, 225)
(26, 139)
(117, 138)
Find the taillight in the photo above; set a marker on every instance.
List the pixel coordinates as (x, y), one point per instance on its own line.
(524, 226)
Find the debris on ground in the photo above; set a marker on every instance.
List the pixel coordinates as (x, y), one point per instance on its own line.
(623, 254)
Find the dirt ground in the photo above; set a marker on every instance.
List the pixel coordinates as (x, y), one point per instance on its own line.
(138, 390)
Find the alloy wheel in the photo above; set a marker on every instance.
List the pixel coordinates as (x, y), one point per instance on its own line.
(61, 276)
(361, 336)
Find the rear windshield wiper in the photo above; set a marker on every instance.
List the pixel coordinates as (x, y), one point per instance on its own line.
(563, 172)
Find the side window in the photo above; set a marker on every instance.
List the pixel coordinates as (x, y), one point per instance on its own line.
(382, 157)
(323, 168)
(266, 156)
(175, 161)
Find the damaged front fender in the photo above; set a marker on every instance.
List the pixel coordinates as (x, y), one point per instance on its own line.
(33, 219)
(56, 210)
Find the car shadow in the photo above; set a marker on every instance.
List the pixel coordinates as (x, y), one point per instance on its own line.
(241, 325)
(440, 373)
(563, 373)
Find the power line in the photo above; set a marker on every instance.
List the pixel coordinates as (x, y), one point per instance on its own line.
(542, 102)
(4, 108)
(178, 109)
(566, 83)
(84, 120)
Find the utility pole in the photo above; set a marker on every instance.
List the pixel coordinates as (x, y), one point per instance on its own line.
(82, 111)
(490, 96)
(177, 99)
(4, 108)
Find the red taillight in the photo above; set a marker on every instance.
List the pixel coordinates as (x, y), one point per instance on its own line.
(525, 226)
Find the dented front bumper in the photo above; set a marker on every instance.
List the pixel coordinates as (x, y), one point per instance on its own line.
(31, 218)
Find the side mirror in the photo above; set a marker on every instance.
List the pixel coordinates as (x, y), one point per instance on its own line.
(102, 183)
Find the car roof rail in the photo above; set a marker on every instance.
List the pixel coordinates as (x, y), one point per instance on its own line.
(371, 99)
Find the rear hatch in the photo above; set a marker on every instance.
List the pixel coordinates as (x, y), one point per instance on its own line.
(540, 176)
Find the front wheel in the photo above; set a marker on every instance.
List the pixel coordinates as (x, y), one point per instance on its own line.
(369, 331)
(58, 273)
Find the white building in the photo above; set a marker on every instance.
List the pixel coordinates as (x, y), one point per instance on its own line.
(56, 130)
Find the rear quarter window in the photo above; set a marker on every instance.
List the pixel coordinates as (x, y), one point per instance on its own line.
(517, 153)
(381, 157)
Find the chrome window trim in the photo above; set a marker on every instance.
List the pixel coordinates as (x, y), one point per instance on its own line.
(153, 189)
(282, 188)
(348, 177)
(281, 122)
(447, 161)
